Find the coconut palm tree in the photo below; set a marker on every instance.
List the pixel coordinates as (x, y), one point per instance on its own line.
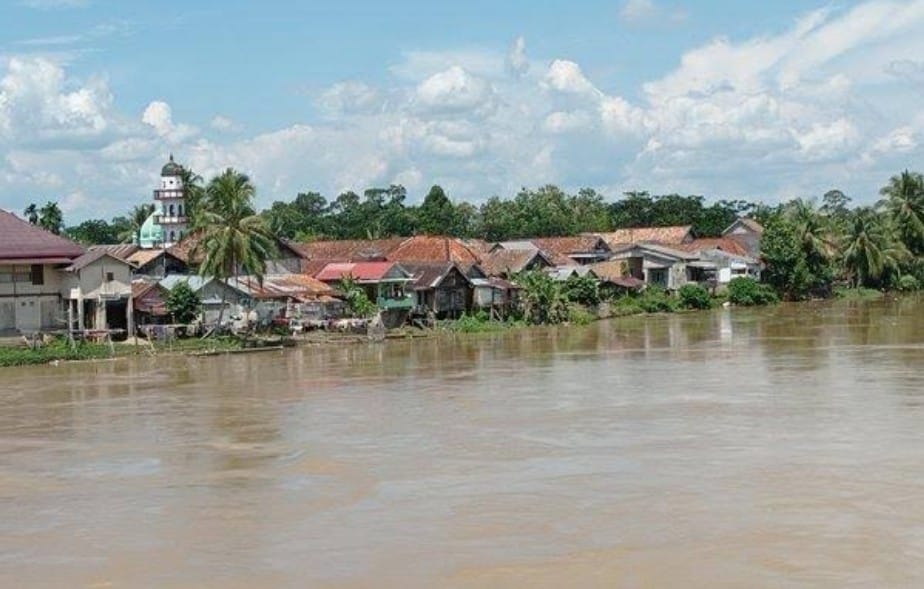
(231, 237)
(904, 201)
(136, 218)
(871, 248)
(31, 213)
(51, 218)
(814, 233)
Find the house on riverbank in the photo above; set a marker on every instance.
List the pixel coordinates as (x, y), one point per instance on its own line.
(30, 278)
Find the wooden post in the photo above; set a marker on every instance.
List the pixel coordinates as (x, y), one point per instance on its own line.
(130, 316)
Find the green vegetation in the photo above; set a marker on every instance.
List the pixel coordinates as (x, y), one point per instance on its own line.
(479, 322)
(183, 303)
(748, 292)
(694, 296)
(859, 293)
(355, 298)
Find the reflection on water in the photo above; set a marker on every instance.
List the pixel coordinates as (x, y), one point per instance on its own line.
(725, 449)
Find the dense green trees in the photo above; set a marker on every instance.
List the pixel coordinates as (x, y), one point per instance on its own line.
(183, 303)
(48, 216)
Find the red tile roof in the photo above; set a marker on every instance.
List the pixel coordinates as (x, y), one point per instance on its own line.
(20, 240)
(663, 235)
(357, 270)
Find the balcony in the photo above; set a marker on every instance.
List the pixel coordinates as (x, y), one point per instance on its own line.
(170, 219)
(166, 193)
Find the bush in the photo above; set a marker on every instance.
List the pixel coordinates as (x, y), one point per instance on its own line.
(657, 300)
(580, 315)
(908, 283)
(694, 296)
(749, 292)
(183, 303)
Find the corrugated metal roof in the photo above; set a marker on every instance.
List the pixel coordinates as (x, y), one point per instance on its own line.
(507, 262)
(90, 257)
(298, 286)
(427, 276)
(119, 250)
(725, 244)
(365, 271)
(19, 239)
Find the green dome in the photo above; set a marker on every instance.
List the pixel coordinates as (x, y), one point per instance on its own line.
(171, 168)
(152, 234)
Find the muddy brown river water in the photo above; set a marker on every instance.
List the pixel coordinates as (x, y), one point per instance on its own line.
(736, 448)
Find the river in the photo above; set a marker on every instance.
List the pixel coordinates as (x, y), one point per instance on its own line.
(733, 448)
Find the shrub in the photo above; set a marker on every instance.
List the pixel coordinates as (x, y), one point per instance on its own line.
(908, 283)
(749, 292)
(694, 296)
(580, 315)
(183, 303)
(657, 300)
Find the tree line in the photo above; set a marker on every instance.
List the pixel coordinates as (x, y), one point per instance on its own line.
(807, 246)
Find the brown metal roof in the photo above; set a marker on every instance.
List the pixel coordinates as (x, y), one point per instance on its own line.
(507, 262)
(296, 286)
(726, 244)
(19, 239)
(120, 250)
(90, 257)
(427, 276)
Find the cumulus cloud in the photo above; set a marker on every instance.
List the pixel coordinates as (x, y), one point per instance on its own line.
(833, 99)
(159, 116)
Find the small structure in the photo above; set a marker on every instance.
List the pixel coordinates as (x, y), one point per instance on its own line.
(30, 284)
(218, 298)
(656, 265)
(442, 289)
(156, 263)
(97, 288)
(149, 301)
(290, 296)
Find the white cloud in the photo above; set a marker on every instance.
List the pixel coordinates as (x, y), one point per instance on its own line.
(649, 12)
(517, 62)
(224, 124)
(159, 115)
(349, 98)
(454, 89)
(566, 76)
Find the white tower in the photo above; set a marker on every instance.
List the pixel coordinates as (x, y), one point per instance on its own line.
(170, 202)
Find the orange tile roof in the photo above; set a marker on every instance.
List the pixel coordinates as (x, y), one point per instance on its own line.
(664, 235)
(426, 248)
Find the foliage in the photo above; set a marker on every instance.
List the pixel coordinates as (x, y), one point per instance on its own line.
(657, 300)
(908, 283)
(904, 203)
(93, 231)
(748, 292)
(59, 349)
(136, 218)
(694, 296)
(232, 237)
(183, 303)
(580, 315)
(583, 290)
(871, 250)
(356, 299)
(786, 269)
(542, 299)
(49, 216)
(640, 209)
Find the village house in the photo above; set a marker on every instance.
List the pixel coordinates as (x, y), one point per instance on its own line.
(386, 285)
(218, 298)
(442, 289)
(748, 232)
(289, 296)
(580, 249)
(30, 281)
(669, 236)
(149, 302)
(656, 265)
(719, 260)
(150, 263)
(97, 291)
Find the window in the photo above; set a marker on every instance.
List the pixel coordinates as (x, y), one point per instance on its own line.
(38, 275)
(179, 209)
(20, 274)
(171, 210)
(110, 276)
(172, 236)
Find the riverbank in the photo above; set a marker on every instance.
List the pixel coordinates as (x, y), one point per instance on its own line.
(60, 350)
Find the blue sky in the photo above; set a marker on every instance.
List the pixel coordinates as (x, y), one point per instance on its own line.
(727, 99)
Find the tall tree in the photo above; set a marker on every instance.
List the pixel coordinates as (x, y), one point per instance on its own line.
(194, 191)
(233, 239)
(32, 214)
(92, 232)
(904, 200)
(51, 218)
(136, 218)
(870, 248)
